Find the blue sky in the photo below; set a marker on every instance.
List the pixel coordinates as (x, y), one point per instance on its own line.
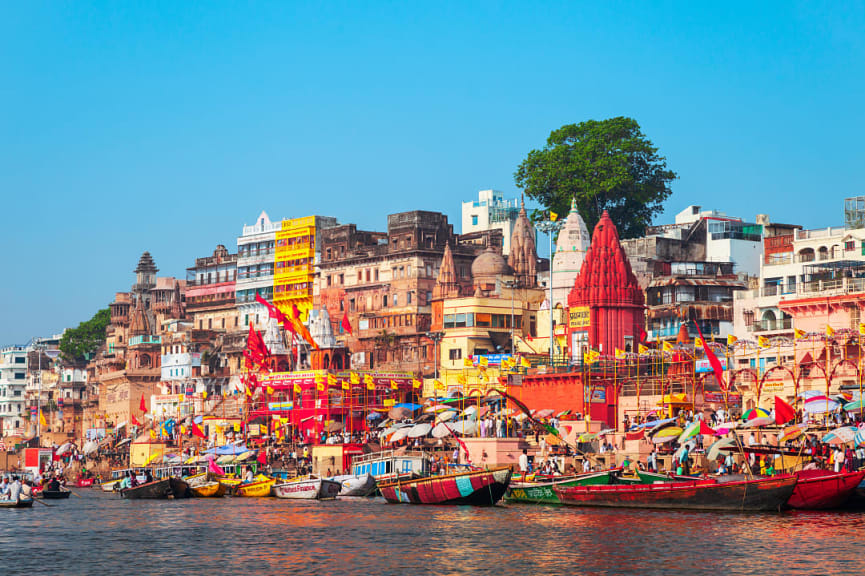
(165, 127)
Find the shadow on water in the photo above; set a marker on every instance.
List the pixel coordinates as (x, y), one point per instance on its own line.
(102, 534)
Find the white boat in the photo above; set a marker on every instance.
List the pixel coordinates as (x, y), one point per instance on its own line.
(390, 465)
(307, 488)
(355, 485)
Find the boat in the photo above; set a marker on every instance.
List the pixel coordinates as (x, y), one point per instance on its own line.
(111, 485)
(257, 489)
(23, 503)
(212, 489)
(475, 487)
(353, 485)
(823, 489)
(158, 489)
(307, 488)
(761, 494)
(55, 494)
(389, 465)
(539, 490)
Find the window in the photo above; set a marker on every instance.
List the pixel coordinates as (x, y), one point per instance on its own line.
(351, 305)
(384, 301)
(20, 359)
(396, 299)
(455, 354)
(408, 298)
(474, 220)
(342, 278)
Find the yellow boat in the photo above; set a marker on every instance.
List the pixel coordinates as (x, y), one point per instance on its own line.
(209, 490)
(257, 489)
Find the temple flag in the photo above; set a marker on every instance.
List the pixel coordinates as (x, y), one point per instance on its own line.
(331, 380)
(861, 329)
(301, 327)
(354, 378)
(320, 386)
(483, 361)
(274, 312)
(525, 362)
(42, 419)
(830, 331)
(620, 354)
(134, 420)
(713, 361)
(798, 334)
(705, 429)
(731, 339)
(762, 342)
(783, 412)
(415, 383)
(437, 384)
(642, 349)
(142, 406)
(297, 388)
(196, 431)
(667, 346)
(467, 362)
(213, 468)
(394, 385)
(346, 325)
(698, 343)
(270, 390)
(553, 216)
(346, 385)
(591, 356)
(204, 395)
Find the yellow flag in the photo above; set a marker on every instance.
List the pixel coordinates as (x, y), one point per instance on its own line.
(524, 362)
(270, 390)
(483, 361)
(762, 342)
(829, 330)
(437, 384)
(467, 362)
(319, 378)
(862, 328)
(248, 390)
(370, 384)
(346, 385)
(331, 380)
(354, 377)
(797, 334)
(620, 354)
(461, 379)
(591, 356)
(153, 434)
(181, 397)
(319, 386)
(42, 418)
(389, 402)
(553, 216)
(367, 378)
(642, 349)
(394, 385)
(204, 395)
(297, 388)
(668, 346)
(698, 342)
(731, 339)
(415, 383)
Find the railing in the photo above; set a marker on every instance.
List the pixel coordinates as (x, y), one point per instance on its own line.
(833, 287)
(769, 325)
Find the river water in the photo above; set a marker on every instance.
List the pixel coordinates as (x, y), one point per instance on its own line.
(102, 534)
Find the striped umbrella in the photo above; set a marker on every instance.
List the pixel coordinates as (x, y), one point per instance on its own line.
(859, 437)
(843, 434)
(793, 432)
(690, 431)
(666, 434)
(755, 413)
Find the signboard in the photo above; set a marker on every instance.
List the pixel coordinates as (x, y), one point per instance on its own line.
(579, 317)
(254, 430)
(492, 359)
(718, 397)
(599, 396)
(280, 406)
(703, 365)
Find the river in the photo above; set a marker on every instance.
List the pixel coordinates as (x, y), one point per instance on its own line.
(102, 534)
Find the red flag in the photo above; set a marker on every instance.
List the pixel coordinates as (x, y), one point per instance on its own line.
(638, 435)
(346, 325)
(643, 335)
(262, 457)
(783, 412)
(301, 328)
(196, 431)
(713, 360)
(135, 421)
(706, 430)
(274, 312)
(213, 468)
(143, 406)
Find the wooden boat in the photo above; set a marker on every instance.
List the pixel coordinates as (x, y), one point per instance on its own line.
(540, 489)
(475, 487)
(353, 485)
(23, 503)
(257, 489)
(390, 465)
(158, 489)
(761, 494)
(823, 489)
(208, 490)
(231, 484)
(85, 482)
(111, 485)
(55, 494)
(307, 488)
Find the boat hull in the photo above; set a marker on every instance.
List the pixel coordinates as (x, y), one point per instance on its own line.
(307, 489)
(823, 490)
(355, 486)
(478, 488)
(156, 490)
(208, 490)
(55, 494)
(261, 489)
(85, 482)
(28, 503)
(111, 486)
(544, 493)
(764, 494)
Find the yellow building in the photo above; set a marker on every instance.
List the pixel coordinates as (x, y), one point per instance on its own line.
(297, 252)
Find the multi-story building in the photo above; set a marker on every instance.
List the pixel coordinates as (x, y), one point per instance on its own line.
(298, 251)
(256, 248)
(383, 283)
(210, 291)
(13, 382)
(491, 212)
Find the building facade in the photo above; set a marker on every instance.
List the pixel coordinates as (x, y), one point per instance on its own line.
(13, 382)
(491, 211)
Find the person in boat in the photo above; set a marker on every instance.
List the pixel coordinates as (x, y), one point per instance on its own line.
(148, 477)
(15, 489)
(53, 485)
(133, 479)
(26, 490)
(248, 477)
(125, 483)
(4, 488)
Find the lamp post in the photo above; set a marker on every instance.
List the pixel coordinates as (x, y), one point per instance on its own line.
(511, 285)
(550, 227)
(435, 337)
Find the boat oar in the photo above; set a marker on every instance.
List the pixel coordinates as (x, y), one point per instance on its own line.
(43, 503)
(76, 494)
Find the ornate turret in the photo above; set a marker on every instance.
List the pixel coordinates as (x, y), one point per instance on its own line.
(486, 268)
(145, 273)
(523, 256)
(321, 329)
(447, 285)
(608, 287)
(139, 323)
(571, 246)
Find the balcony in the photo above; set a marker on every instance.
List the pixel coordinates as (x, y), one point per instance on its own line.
(771, 325)
(146, 339)
(834, 287)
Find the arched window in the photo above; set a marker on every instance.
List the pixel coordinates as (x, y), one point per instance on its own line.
(823, 253)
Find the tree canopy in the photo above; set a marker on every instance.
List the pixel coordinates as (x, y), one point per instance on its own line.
(603, 165)
(78, 344)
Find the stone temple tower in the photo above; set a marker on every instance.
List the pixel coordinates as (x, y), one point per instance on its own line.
(571, 247)
(523, 257)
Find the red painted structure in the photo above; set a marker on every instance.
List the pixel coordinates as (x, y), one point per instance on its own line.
(591, 394)
(607, 286)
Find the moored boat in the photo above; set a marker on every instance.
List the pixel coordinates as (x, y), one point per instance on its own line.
(111, 485)
(257, 489)
(352, 485)
(539, 490)
(212, 489)
(55, 494)
(158, 489)
(23, 503)
(761, 494)
(823, 489)
(307, 488)
(475, 487)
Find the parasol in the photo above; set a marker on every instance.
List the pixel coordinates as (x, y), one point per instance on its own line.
(670, 433)
(446, 416)
(399, 413)
(400, 434)
(793, 432)
(690, 431)
(758, 421)
(464, 427)
(586, 437)
(859, 437)
(854, 405)
(842, 435)
(64, 448)
(715, 449)
(440, 431)
(820, 406)
(90, 447)
(373, 416)
(552, 440)
(755, 413)
(334, 427)
(419, 431)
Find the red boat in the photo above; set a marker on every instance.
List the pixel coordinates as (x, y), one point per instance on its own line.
(762, 494)
(477, 487)
(823, 489)
(85, 482)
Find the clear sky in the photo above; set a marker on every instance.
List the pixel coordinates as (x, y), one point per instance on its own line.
(131, 126)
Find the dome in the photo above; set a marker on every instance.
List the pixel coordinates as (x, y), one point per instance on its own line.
(489, 264)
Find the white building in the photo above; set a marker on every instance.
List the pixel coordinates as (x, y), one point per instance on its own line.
(728, 239)
(13, 382)
(255, 260)
(491, 211)
(571, 246)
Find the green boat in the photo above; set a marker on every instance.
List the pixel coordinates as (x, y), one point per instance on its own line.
(542, 492)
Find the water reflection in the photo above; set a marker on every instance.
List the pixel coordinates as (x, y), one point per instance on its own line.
(100, 534)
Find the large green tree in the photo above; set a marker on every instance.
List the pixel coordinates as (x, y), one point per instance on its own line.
(604, 165)
(79, 344)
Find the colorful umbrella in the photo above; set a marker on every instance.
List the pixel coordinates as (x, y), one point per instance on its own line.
(672, 432)
(859, 437)
(545, 413)
(586, 437)
(854, 406)
(821, 406)
(758, 421)
(755, 413)
(715, 449)
(689, 432)
(563, 413)
(843, 435)
(793, 432)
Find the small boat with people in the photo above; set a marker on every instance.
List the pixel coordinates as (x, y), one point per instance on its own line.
(309, 487)
(474, 487)
(355, 485)
(261, 487)
(211, 489)
(60, 494)
(20, 503)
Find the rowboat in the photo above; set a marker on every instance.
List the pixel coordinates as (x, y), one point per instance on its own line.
(55, 494)
(111, 485)
(257, 489)
(355, 485)
(158, 489)
(24, 503)
(475, 487)
(208, 490)
(761, 494)
(823, 489)
(307, 488)
(540, 490)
